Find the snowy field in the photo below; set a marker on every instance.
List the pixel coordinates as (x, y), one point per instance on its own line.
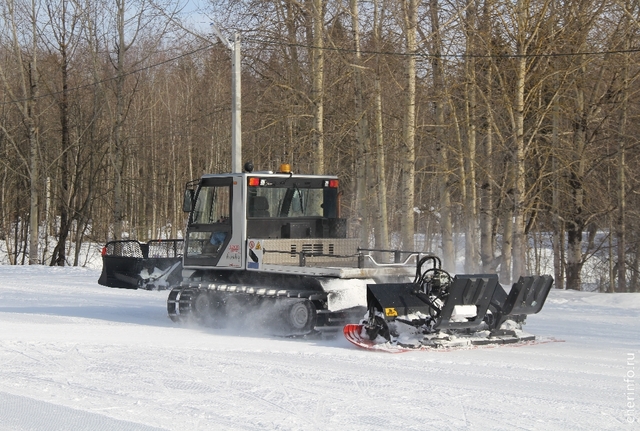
(75, 355)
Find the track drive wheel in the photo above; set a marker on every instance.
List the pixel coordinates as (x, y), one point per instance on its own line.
(201, 306)
(301, 316)
(172, 307)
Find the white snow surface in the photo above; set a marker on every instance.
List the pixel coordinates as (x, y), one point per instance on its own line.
(75, 355)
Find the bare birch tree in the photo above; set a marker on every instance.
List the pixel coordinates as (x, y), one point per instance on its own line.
(381, 225)
(24, 51)
(64, 21)
(317, 8)
(469, 166)
(410, 23)
(362, 130)
(446, 227)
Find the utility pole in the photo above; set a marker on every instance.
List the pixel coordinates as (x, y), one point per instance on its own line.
(236, 122)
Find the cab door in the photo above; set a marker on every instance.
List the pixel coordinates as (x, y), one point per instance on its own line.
(210, 227)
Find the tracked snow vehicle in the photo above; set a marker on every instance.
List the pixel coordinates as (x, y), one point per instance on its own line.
(270, 250)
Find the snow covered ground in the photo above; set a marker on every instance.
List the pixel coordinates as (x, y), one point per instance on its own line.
(75, 355)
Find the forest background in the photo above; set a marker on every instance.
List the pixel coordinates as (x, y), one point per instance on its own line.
(511, 126)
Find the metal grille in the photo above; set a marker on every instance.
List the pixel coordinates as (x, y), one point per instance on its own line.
(130, 248)
(166, 248)
(318, 252)
(316, 248)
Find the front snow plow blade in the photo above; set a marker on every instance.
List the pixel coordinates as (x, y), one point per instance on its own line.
(439, 311)
(466, 305)
(527, 296)
(129, 264)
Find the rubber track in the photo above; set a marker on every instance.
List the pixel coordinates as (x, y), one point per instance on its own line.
(180, 301)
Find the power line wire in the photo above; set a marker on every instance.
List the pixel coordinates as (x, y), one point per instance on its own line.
(460, 56)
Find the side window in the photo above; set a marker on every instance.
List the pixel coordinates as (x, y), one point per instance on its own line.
(212, 205)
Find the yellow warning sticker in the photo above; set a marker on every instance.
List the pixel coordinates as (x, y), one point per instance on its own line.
(258, 246)
(390, 312)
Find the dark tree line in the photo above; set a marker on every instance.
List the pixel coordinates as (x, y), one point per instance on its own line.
(504, 132)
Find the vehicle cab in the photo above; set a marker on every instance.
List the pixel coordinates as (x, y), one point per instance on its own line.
(235, 219)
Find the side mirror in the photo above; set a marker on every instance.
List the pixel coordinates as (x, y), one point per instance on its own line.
(187, 203)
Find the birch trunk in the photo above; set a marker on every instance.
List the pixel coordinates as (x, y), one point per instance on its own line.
(519, 240)
(361, 132)
(446, 228)
(117, 152)
(382, 219)
(620, 222)
(470, 202)
(317, 92)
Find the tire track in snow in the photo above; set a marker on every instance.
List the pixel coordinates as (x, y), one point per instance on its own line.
(19, 413)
